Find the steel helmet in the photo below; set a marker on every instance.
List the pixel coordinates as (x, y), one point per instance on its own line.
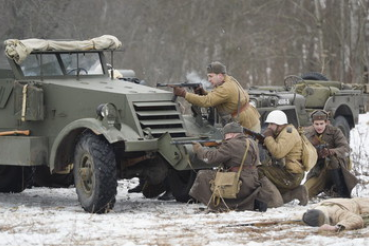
(277, 117)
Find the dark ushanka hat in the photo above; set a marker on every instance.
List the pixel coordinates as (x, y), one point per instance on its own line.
(319, 115)
(216, 67)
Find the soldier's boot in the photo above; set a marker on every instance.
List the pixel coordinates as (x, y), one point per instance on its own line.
(138, 188)
(300, 193)
(168, 195)
(339, 181)
(260, 206)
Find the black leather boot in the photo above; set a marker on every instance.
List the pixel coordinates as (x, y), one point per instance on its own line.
(260, 206)
(166, 196)
(138, 188)
(339, 182)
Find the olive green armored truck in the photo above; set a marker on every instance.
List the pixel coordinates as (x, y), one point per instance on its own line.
(299, 96)
(66, 121)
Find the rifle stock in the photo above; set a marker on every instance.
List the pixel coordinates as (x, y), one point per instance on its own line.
(205, 142)
(7, 133)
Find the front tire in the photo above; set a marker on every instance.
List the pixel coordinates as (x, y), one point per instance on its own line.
(95, 174)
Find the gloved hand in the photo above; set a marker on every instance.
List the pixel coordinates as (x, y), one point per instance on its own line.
(179, 91)
(268, 132)
(326, 152)
(200, 91)
(196, 147)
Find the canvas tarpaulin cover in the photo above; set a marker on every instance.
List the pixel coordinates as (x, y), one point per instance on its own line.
(18, 50)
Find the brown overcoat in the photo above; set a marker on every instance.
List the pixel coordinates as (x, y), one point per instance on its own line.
(345, 212)
(225, 98)
(318, 178)
(230, 154)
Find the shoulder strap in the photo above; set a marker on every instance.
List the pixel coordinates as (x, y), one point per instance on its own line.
(244, 157)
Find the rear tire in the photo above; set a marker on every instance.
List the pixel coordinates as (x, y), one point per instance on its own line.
(95, 174)
(341, 122)
(314, 76)
(15, 178)
(180, 183)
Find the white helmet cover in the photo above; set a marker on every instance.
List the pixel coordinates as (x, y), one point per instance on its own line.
(277, 117)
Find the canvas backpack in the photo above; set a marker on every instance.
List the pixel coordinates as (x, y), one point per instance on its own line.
(309, 154)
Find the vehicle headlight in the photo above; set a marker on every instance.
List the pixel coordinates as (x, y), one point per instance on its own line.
(109, 112)
(284, 101)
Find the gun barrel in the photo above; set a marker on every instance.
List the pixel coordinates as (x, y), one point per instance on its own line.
(193, 85)
(256, 135)
(203, 141)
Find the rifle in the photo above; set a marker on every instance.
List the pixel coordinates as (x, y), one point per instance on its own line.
(25, 132)
(268, 223)
(184, 84)
(204, 142)
(259, 136)
(320, 147)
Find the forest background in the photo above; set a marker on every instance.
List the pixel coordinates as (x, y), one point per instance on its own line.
(260, 41)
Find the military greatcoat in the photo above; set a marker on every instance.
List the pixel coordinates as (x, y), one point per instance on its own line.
(231, 153)
(318, 179)
(345, 212)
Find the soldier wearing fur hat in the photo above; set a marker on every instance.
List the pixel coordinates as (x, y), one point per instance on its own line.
(228, 97)
(331, 173)
(255, 193)
(338, 214)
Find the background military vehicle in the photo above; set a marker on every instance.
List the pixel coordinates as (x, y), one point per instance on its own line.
(301, 95)
(64, 120)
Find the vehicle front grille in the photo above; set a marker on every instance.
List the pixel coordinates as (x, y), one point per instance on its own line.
(157, 118)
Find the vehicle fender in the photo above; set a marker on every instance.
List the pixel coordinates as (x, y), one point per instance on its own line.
(62, 150)
(339, 106)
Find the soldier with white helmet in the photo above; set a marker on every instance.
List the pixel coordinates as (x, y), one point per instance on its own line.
(284, 168)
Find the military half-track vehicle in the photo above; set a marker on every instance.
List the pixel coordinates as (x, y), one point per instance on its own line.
(301, 95)
(61, 111)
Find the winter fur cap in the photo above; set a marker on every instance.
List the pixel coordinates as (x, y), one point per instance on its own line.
(216, 67)
(319, 115)
(232, 127)
(314, 217)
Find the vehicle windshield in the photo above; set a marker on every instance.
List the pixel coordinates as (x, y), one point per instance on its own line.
(59, 64)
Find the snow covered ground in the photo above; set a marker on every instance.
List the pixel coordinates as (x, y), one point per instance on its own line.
(43, 216)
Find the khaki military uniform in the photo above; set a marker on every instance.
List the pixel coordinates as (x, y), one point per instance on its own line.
(319, 179)
(231, 153)
(345, 212)
(284, 168)
(226, 98)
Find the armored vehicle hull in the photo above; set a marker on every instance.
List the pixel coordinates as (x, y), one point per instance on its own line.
(65, 121)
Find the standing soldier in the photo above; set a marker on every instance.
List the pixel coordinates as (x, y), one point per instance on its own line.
(332, 168)
(228, 97)
(285, 168)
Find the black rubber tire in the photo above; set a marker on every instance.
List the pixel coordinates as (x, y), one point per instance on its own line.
(341, 122)
(314, 76)
(14, 179)
(180, 183)
(97, 189)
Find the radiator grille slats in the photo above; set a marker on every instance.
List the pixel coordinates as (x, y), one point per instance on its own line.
(157, 118)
